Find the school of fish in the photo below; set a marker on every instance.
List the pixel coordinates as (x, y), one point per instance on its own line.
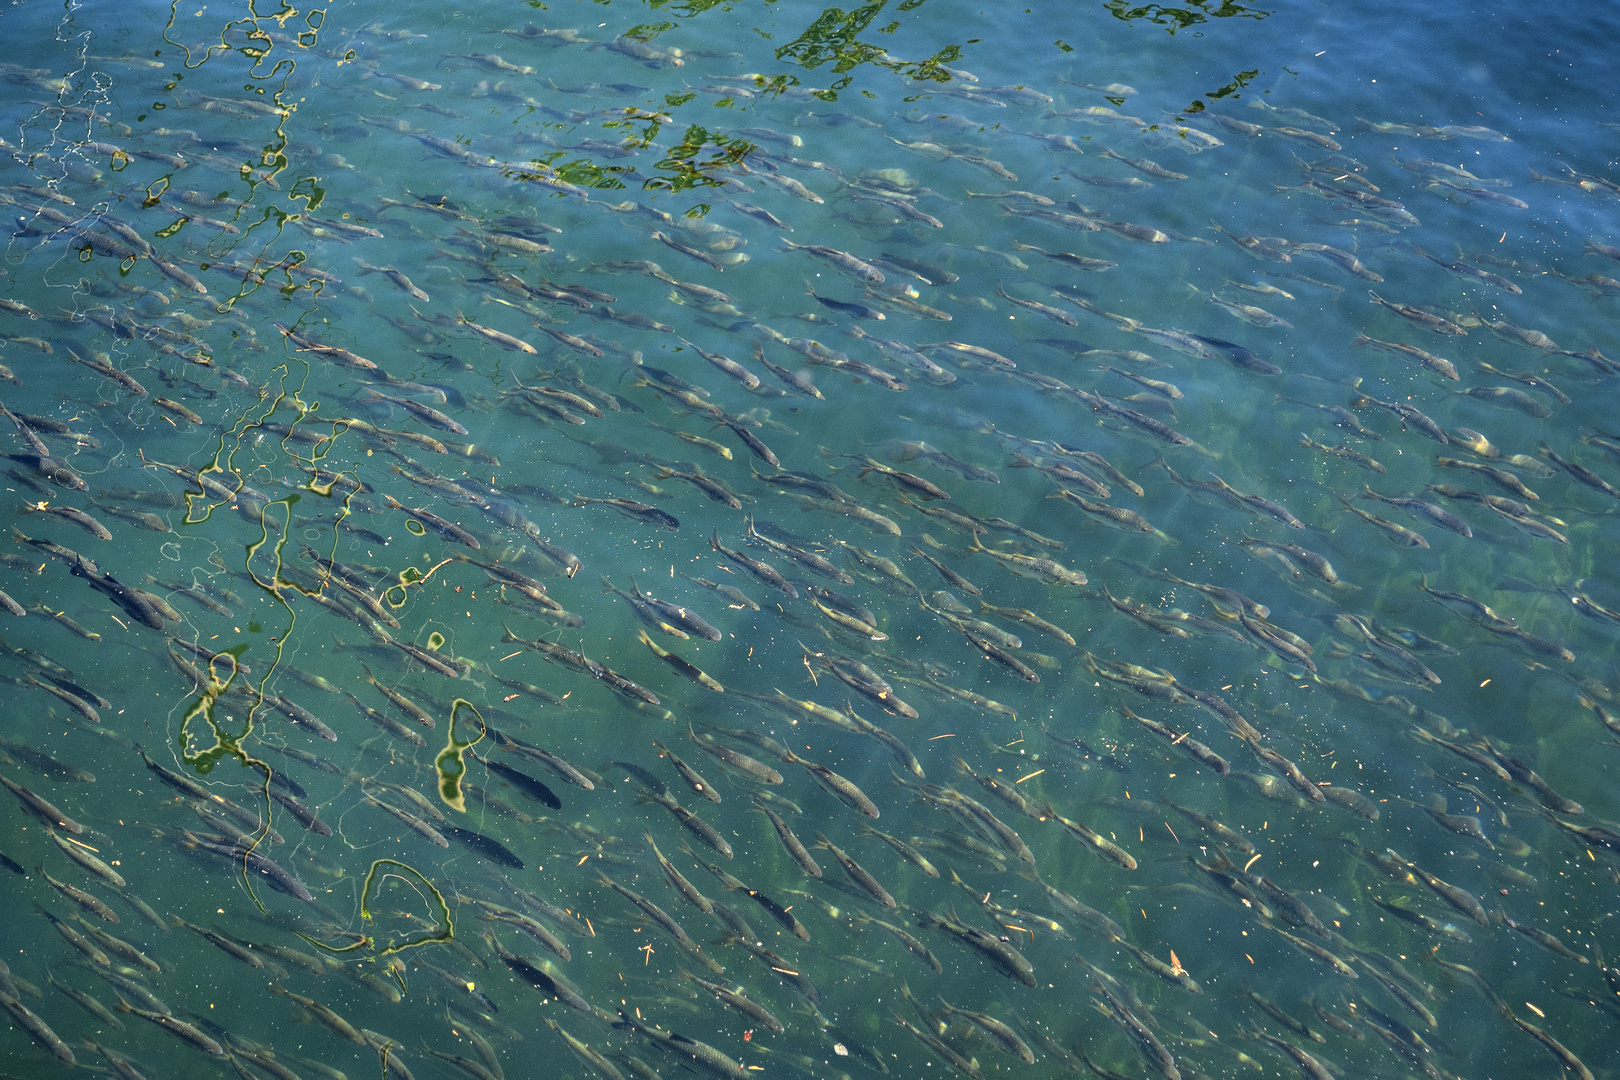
(623, 599)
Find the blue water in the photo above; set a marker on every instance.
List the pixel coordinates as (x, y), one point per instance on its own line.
(275, 228)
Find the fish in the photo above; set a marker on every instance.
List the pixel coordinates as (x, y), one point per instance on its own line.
(684, 667)
(1512, 398)
(1057, 315)
(1437, 364)
(425, 413)
(1423, 511)
(1144, 165)
(1001, 955)
(840, 260)
(635, 511)
(1504, 479)
(411, 821)
(1435, 324)
(446, 529)
(762, 572)
(37, 1029)
(738, 1000)
(689, 821)
(529, 786)
(1254, 316)
(836, 786)
(264, 446)
(1182, 741)
(484, 846)
(693, 780)
(1343, 452)
(1460, 899)
(697, 1055)
(857, 873)
(181, 1029)
(1100, 845)
(1043, 569)
(1398, 534)
(403, 283)
(737, 598)
(41, 809)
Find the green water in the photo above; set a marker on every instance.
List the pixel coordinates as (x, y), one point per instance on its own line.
(276, 227)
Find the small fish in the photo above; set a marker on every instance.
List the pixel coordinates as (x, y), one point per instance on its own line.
(736, 597)
(998, 951)
(693, 780)
(635, 511)
(1343, 452)
(1418, 317)
(1512, 398)
(837, 786)
(1434, 363)
(399, 279)
(1079, 262)
(1100, 845)
(425, 413)
(689, 821)
(761, 571)
(177, 409)
(845, 307)
(687, 669)
(844, 261)
(1254, 316)
(1144, 165)
(747, 378)
(1044, 310)
(102, 366)
(1423, 511)
(498, 337)
(71, 514)
(1501, 477)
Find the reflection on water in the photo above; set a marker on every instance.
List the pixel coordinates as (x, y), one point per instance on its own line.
(616, 540)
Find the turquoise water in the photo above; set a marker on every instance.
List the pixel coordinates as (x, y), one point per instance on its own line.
(1224, 778)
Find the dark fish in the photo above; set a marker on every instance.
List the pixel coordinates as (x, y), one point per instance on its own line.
(522, 781)
(411, 821)
(244, 854)
(491, 849)
(740, 1001)
(1008, 960)
(965, 1066)
(322, 1015)
(89, 901)
(1099, 844)
(739, 763)
(539, 978)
